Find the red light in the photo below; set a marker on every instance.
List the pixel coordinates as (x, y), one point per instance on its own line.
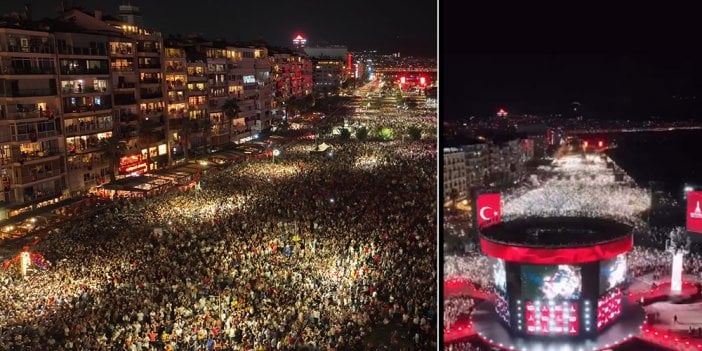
(600, 143)
(585, 144)
(422, 81)
(402, 80)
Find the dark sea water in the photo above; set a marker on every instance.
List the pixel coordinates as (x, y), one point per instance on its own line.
(671, 158)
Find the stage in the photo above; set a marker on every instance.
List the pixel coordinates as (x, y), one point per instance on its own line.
(486, 324)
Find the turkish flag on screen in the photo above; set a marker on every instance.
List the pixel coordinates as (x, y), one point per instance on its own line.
(489, 211)
(694, 213)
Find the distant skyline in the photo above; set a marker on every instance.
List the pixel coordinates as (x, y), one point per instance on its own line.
(387, 26)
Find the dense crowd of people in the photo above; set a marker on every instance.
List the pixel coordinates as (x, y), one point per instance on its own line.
(578, 186)
(455, 308)
(311, 252)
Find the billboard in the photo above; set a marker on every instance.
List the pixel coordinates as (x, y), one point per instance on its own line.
(612, 273)
(488, 209)
(549, 282)
(694, 213)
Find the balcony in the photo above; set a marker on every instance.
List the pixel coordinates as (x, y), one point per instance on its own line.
(83, 71)
(85, 90)
(94, 162)
(29, 157)
(175, 68)
(148, 112)
(27, 70)
(32, 137)
(150, 81)
(126, 51)
(154, 95)
(125, 85)
(127, 132)
(176, 99)
(81, 146)
(29, 92)
(127, 68)
(178, 113)
(121, 100)
(30, 115)
(87, 128)
(36, 49)
(39, 176)
(70, 50)
(148, 49)
(176, 85)
(150, 66)
(86, 108)
(128, 118)
(197, 91)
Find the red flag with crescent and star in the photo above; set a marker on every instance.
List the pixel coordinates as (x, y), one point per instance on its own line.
(489, 210)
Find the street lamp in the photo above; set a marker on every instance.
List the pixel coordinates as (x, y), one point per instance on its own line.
(276, 152)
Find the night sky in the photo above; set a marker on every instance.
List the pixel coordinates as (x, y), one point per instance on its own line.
(609, 86)
(624, 62)
(408, 26)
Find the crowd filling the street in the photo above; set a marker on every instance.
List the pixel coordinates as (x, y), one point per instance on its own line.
(309, 252)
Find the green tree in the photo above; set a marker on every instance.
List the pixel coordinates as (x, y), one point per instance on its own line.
(148, 132)
(112, 149)
(292, 106)
(187, 128)
(415, 133)
(386, 133)
(362, 134)
(344, 134)
(231, 110)
(204, 125)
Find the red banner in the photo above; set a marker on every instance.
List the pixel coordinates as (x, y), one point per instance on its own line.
(694, 213)
(570, 255)
(488, 209)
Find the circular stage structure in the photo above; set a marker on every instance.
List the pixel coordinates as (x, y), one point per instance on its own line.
(558, 277)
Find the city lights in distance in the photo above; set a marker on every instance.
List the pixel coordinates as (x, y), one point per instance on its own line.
(502, 113)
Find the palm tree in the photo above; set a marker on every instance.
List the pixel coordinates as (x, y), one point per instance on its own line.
(112, 149)
(186, 130)
(205, 126)
(147, 130)
(231, 110)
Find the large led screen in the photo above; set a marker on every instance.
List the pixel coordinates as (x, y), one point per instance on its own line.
(612, 273)
(544, 282)
(551, 318)
(499, 276)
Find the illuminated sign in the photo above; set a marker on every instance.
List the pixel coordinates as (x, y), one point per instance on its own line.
(488, 206)
(249, 79)
(551, 318)
(162, 149)
(132, 164)
(694, 213)
(609, 307)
